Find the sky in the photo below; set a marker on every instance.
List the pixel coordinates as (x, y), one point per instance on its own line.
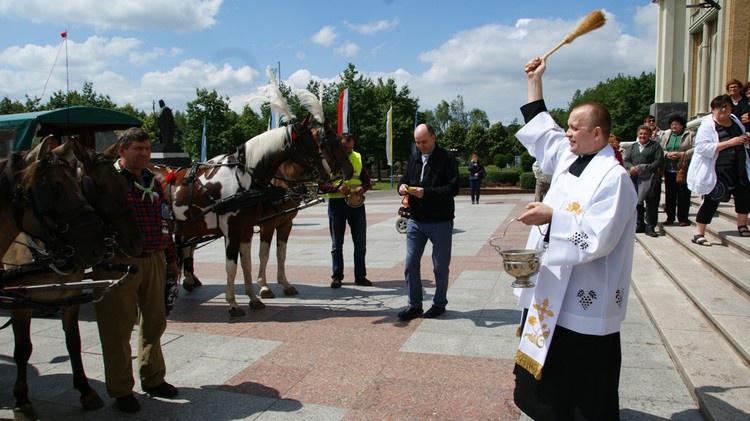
(140, 51)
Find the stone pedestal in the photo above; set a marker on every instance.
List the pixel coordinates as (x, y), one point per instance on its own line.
(663, 110)
(170, 155)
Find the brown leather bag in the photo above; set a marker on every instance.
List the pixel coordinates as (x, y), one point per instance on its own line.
(682, 168)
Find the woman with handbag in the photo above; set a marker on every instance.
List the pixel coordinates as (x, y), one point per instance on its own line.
(719, 168)
(677, 144)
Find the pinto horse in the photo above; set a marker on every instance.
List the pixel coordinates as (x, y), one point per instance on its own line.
(106, 191)
(198, 195)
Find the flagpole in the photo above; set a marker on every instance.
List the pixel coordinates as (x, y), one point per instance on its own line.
(67, 75)
(203, 141)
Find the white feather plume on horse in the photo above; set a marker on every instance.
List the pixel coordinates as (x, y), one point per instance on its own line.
(311, 103)
(272, 95)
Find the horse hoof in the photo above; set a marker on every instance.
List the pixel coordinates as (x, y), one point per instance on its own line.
(188, 287)
(267, 293)
(257, 305)
(236, 312)
(24, 413)
(197, 282)
(291, 291)
(91, 401)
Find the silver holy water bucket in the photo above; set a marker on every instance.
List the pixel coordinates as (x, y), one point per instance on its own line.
(519, 263)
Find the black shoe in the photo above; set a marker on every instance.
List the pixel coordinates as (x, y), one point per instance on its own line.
(363, 282)
(410, 313)
(652, 233)
(164, 390)
(433, 312)
(639, 229)
(128, 404)
(336, 283)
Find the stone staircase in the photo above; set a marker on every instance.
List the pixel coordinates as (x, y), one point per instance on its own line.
(699, 300)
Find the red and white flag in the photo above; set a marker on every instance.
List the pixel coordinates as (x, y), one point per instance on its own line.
(343, 111)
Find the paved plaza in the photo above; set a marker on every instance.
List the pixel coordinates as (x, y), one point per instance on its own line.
(343, 354)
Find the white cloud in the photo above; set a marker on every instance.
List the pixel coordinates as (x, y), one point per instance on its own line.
(109, 63)
(348, 49)
(373, 27)
(325, 36)
(176, 15)
(485, 65)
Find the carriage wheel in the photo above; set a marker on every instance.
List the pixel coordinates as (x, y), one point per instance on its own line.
(401, 224)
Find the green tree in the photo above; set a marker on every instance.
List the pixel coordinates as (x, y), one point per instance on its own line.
(454, 139)
(496, 136)
(220, 119)
(458, 112)
(442, 116)
(627, 98)
(8, 106)
(87, 97)
(477, 142)
(478, 117)
(368, 106)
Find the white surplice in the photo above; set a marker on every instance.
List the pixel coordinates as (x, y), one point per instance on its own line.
(584, 279)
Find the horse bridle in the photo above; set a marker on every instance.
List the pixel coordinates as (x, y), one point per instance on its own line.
(40, 200)
(293, 136)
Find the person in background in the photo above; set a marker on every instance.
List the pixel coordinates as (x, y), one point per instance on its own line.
(644, 161)
(340, 213)
(615, 143)
(569, 354)
(476, 174)
(743, 108)
(738, 99)
(720, 167)
(431, 181)
(677, 144)
(656, 132)
(141, 296)
(543, 182)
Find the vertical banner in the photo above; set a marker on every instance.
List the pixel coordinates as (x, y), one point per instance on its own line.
(389, 136)
(203, 141)
(343, 111)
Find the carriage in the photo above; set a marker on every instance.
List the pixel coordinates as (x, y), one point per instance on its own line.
(224, 196)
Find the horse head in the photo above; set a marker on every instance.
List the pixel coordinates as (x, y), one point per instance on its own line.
(48, 204)
(333, 153)
(107, 192)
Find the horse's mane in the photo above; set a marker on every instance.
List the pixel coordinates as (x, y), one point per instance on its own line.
(257, 148)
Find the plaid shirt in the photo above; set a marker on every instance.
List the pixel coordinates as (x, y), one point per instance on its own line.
(152, 217)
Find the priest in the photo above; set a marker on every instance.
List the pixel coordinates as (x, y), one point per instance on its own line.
(568, 359)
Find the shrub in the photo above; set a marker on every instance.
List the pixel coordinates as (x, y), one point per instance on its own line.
(502, 176)
(499, 160)
(527, 161)
(527, 180)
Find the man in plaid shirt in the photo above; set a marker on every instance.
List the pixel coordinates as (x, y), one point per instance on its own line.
(115, 313)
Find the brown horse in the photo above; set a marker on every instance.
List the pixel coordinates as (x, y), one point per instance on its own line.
(107, 191)
(202, 197)
(40, 196)
(277, 218)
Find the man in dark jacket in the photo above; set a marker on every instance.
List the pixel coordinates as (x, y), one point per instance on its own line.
(431, 181)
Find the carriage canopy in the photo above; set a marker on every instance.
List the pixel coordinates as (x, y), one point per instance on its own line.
(90, 124)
